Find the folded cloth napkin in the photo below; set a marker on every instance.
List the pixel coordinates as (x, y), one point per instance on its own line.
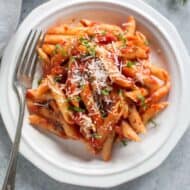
(9, 18)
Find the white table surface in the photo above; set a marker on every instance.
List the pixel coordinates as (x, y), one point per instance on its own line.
(173, 174)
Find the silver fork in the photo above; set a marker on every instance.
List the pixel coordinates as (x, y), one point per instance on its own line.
(22, 80)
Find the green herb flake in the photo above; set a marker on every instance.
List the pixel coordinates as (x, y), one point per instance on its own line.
(130, 64)
(146, 42)
(82, 86)
(153, 123)
(92, 51)
(72, 59)
(104, 32)
(57, 47)
(126, 31)
(76, 109)
(120, 92)
(142, 99)
(122, 38)
(96, 136)
(58, 78)
(84, 41)
(103, 114)
(90, 48)
(39, 81)
(75, 98)
(40, 58)
(78, 98)
(105, 92)
(124, 142)
(63, 52)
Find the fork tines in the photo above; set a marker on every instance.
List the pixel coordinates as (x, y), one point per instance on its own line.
(25, 66)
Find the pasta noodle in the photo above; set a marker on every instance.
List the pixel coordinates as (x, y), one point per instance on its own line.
(98, 84)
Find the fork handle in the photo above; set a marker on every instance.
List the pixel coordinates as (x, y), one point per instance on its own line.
(9, 181)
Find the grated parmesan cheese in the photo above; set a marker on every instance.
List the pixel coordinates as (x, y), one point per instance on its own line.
(97, 71)
(86, 125)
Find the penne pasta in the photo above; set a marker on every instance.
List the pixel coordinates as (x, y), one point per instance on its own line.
(134, 53)
(159, 94)
(125, 109)
(61, 100)
(107, 147)
(98, 84)
(130, 26)
(48, 49)
(152, 111)
(43, 56)
(134, 95)
(112, 70)
(87, 98)
(56, 39)
(128, 132)
(43, 124)
(40, 92)
(66, 30)
(135, 120)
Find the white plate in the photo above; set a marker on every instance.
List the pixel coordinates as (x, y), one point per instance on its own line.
(68, 161)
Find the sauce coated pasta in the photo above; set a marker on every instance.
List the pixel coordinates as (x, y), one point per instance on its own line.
(98, 85)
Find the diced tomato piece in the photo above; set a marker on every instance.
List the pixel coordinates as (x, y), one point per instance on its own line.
(58, 70)
(106, 39)
(119, 131)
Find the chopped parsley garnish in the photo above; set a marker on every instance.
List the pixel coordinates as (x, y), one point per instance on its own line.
(153, 123)
(90, 48)
(104, 32)
(122, 38)
(76, 109)
(63, 52)
(120, 91)
(96, 136)
(146, 42)
(40, 58)
(78, 98)
(130, 64)
(92, 51)
(72, 59)
(59, 48)
(106, 91)
(84, 41)
(124, 142)
(103, 113)
(75, 98)
(82, 86)
(126, 31)
(39, 81)
(58, 78)
(142, 99)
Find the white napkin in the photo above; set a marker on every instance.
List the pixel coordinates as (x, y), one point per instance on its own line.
(9, 17)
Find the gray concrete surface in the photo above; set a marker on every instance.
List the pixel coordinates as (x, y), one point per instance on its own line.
(173, 174)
